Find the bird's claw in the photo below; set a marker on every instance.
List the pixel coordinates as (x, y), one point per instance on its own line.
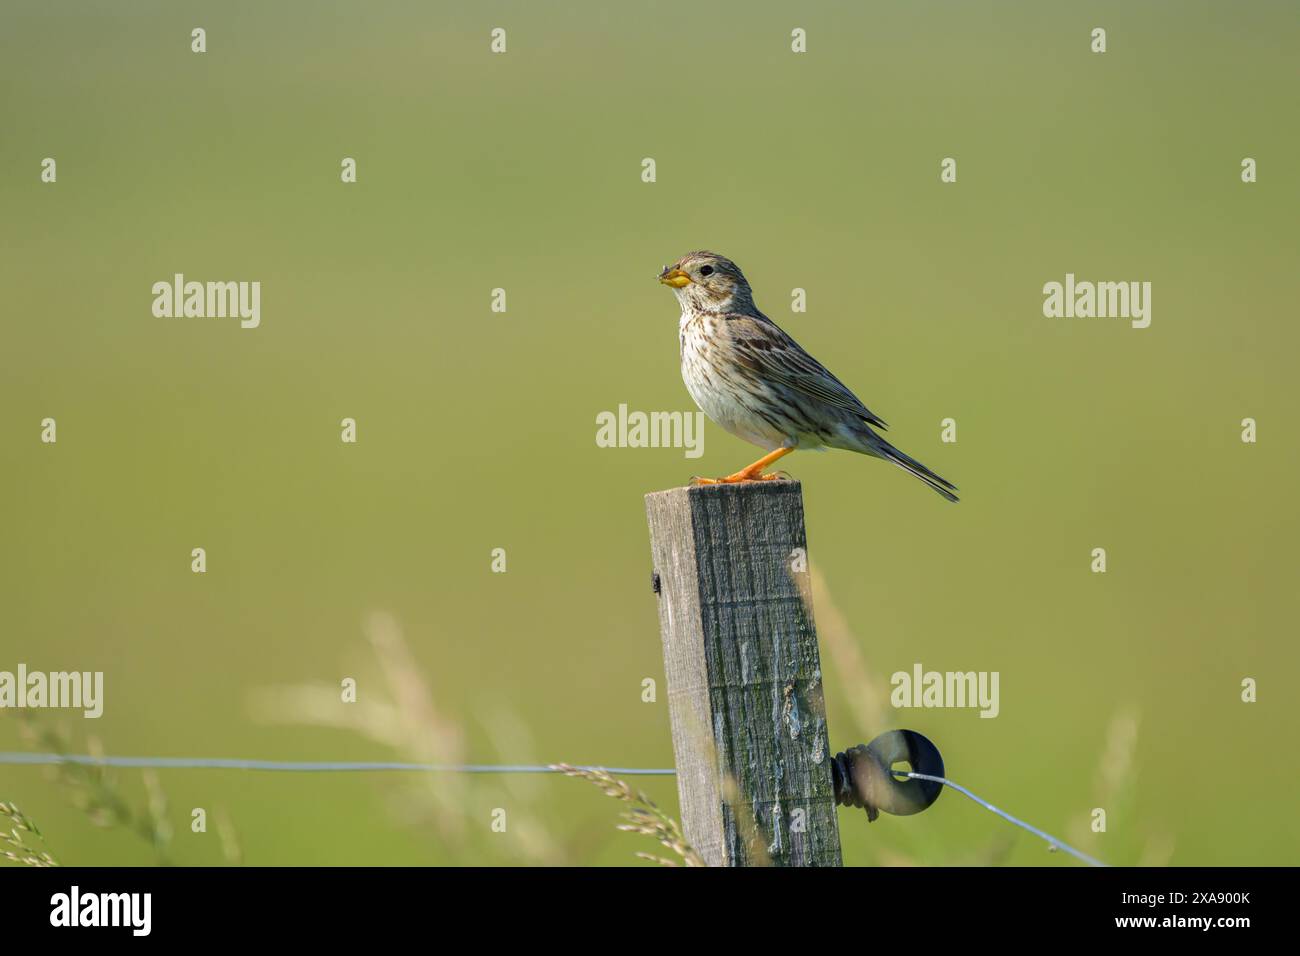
(739, 477)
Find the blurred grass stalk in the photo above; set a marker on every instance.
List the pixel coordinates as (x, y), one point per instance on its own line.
(403, 717)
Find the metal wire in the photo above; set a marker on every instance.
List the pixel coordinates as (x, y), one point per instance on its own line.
(1052, 841)
(308, 766)
(329, 766)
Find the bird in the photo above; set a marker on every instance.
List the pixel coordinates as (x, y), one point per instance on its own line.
(754, 380)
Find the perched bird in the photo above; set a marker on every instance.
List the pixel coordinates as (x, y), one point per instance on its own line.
(757, 383)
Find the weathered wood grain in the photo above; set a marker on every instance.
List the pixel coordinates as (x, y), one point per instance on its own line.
(743, 673)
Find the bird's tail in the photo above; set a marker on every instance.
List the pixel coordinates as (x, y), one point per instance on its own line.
(913, 467)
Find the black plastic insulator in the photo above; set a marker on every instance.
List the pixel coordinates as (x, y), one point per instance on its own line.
(862, 775)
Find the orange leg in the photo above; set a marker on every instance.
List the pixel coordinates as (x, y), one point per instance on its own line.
(752, 472)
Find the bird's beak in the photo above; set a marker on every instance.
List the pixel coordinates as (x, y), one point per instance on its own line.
(675, 278)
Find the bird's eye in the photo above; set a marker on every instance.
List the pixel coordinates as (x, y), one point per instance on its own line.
(706, 270)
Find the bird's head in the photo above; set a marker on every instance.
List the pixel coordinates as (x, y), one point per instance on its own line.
(708, 282)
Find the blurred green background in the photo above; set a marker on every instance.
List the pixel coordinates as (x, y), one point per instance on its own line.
(477, 430)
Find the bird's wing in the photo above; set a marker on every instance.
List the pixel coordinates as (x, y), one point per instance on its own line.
(766, 350)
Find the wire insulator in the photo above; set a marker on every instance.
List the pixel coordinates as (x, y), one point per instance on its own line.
(863, 779)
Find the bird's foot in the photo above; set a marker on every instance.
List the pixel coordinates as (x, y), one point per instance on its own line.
(752, 472)
(745, 475)
(729, 479)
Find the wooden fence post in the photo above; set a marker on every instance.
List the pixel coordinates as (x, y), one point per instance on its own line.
(744, 675)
